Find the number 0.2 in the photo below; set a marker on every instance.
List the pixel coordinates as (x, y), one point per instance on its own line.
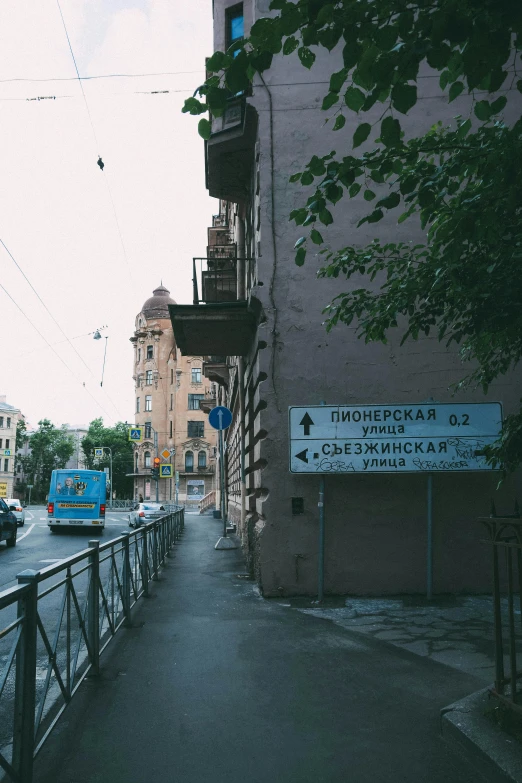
(453, 420)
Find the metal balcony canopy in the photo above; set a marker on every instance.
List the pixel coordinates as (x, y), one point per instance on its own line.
(226, 329)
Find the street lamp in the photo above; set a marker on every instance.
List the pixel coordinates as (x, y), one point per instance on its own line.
(96, 454)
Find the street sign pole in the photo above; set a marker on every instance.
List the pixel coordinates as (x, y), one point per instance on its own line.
(222, 484)
(320, 565)
(220, 418)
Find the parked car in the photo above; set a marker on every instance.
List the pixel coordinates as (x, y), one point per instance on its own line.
(8, 525)
(18, 511)
(145, 512)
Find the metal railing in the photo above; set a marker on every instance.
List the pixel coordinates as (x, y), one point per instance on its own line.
(214, 280)
(505, 536)
(207, 502)
(55, 624)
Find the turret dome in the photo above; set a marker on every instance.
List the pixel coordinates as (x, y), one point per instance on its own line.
(156, 306)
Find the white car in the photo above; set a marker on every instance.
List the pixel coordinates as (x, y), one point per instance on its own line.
(17, 510)
(145, 512)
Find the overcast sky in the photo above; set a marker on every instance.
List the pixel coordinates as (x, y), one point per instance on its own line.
(94, 264)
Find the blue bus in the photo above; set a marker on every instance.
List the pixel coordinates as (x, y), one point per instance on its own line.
(77, 498)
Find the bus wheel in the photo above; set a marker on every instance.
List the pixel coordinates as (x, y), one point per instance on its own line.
(53, 528)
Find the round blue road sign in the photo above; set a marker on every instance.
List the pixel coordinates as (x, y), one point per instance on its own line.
(220, 417)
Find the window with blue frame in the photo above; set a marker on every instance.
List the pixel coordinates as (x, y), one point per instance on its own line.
(235, 22)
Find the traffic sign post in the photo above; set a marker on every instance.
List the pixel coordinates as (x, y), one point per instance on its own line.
(404, 438)
(221, 418)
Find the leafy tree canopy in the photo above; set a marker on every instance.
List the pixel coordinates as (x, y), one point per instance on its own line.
(117, 439)
(50, 449)
(464, 283)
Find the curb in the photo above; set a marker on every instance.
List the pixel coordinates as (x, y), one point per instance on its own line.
(490, 750)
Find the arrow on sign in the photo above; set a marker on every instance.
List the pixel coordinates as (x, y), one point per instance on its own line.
(302, 456)
(305, 422)
(220, 417)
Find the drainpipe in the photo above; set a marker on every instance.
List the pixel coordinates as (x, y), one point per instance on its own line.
(241, 295)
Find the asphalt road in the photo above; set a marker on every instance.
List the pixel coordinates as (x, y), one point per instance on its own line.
(37, 547)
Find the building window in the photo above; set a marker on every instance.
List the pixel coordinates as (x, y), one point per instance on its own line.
(171, 377)
(193, 401)
(1, 421)
(195, 429)
(137, 461)
(139, 354)
(0, 443)
(6, 465)
(137, 404)
(147, 459)
(148, 402)
(148, 429)
(8, 422)
(235, 24)
(202, 459)
(171, 401)
(150, 351)
(148, 378)
(170, 436)
(7, 443)
(196, 374)
(189, 462)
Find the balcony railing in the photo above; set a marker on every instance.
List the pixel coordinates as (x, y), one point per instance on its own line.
(215, 280)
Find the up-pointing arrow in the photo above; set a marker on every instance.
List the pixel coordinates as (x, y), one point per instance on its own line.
(306, 421)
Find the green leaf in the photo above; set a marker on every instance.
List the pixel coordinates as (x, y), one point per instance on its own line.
(306, 56)
(390, 202)
(339, 123)
(444, 79)
(390, 132)
(193, 106)
(483, 110)
(338, 79)
(464, 129)
(334, 193)
(316, 237)
(295, 177)
(290, 45)
(325, 217)
(299, 215)
(329, 100)
(354, 98)
(376, 215)
(310, 219)
(204, 129)
(354, 189)
(307, 178)
(404, 97)
(455, 90)
(299, 242)
(498, 105)
(368, 195)
(405, 215)
(316, 166)
(217, 62)
(361, 134)
(300, 256)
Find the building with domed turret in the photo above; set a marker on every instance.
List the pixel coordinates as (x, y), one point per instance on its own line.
(168, 391)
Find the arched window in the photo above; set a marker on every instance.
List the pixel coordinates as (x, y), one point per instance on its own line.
(147, 459)
(189, 462)
(137, 461)
(202, 459)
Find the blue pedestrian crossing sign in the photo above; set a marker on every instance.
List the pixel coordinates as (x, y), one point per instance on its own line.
(136, 434)
(165, 471)
(220, 417)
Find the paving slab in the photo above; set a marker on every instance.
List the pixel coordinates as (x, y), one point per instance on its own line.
(213, 683)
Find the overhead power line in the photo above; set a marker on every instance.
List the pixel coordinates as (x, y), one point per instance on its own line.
(103, 76)
(15, 262)
(46, 341)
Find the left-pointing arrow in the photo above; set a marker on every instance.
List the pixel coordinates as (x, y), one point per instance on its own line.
(302, 456)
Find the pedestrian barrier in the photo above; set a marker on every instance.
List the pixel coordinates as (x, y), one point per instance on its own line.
(55, 624)
(505, 535)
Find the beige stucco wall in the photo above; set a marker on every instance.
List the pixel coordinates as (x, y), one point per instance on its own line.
(8, 420)
(375, 524)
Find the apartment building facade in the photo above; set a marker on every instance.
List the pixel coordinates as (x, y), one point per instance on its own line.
(258, 318)
(168, 391)
(9, 416)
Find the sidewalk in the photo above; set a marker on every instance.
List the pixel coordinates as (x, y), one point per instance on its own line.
(215, 684)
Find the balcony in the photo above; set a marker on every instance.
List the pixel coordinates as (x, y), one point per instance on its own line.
(229, 153)
(216, 370)
(208, 403)
(217, 323)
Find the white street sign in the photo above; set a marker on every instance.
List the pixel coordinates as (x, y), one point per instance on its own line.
(429, 437)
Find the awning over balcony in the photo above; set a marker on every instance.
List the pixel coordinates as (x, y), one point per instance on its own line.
(226, 329)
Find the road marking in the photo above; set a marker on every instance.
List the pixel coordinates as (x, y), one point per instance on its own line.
(28, 514)
(43, 517)
(19, 538)
(51, 560)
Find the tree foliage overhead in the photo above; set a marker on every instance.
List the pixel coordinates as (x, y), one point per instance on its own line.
(117, 439)
(464, 283)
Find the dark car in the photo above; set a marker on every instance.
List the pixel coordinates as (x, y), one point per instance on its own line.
(8, 524)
